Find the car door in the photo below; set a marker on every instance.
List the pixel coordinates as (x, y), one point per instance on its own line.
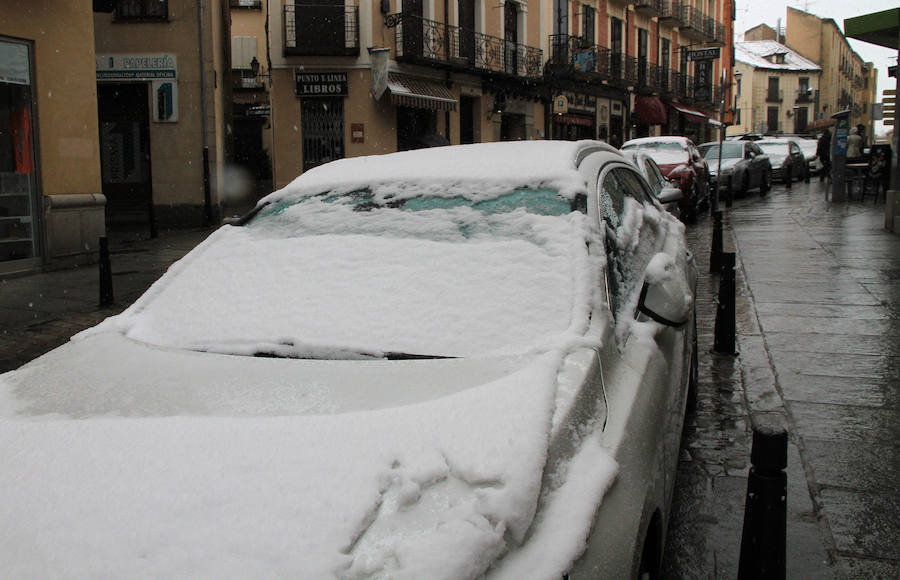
(631, 245)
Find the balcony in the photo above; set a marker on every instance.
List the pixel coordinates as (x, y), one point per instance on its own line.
(692, 21)
(804, 96)
(670, 10)
(321, 30)
(246, 79)
(428, 42)
(649, 6)
(720, 34)
(683, 85)
(572, 54)
(773, 96)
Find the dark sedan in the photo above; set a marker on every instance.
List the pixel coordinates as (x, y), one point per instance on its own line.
(744, 166)
(788, 161)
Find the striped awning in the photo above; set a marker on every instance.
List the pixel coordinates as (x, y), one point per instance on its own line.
(420, 93)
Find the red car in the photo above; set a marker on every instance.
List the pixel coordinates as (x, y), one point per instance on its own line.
(681, 162)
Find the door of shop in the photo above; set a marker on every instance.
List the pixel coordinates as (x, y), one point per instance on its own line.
(323, 131)
(125, 153)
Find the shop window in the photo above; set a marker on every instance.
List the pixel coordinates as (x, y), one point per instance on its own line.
(18, 164)
(142, 9)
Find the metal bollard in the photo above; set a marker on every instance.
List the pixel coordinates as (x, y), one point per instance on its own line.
(106, 285)
(763, 551)
(715, 251)
(725, 312)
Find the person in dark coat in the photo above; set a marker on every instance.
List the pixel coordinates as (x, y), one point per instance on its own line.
(823, 151)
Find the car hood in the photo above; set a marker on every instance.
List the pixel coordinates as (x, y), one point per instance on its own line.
(176, 463)
(727, 164)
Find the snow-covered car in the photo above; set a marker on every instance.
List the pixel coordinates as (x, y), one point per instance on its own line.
(459, 362)
(680, 161)
(787, 160)
(666, 192)
(743, 165)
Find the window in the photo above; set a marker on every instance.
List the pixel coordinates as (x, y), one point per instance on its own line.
(738, 119)
(142, 9)
(589, 16)
(643, 48)
(772, 120)
(804, 84)
(615, 47)
(561, 16)
(773, 93)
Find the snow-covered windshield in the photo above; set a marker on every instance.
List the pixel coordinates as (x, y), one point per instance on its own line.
(343, 276)
(663, 152)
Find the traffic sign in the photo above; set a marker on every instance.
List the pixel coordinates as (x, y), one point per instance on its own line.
(704, 54)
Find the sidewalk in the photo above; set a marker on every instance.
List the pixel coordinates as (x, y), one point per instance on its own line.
(39, 312)
(818, 329)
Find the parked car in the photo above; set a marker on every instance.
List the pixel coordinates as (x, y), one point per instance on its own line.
(744, 166)
(680, 161)
(666, 192)
(464, 361)
(809, 147)
(788, 161)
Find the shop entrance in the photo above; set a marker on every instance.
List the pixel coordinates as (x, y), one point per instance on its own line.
(323, 131)
(125, 153)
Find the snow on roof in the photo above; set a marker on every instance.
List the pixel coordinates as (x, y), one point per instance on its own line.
(756, 53)
(478, 171)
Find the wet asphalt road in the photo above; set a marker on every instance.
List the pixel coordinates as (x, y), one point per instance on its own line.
(818, 322)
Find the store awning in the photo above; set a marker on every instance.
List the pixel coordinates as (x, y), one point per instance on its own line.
(408, 91)
(690, 114)
(650, 110)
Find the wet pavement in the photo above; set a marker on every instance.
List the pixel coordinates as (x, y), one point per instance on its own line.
(818, 323)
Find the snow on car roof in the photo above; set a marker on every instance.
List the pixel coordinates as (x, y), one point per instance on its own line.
(666, 139)
(477, 171)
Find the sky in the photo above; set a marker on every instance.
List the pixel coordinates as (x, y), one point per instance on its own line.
(750, 13)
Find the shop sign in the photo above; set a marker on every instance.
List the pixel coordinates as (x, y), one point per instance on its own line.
(165, 101)
(136, 67)
(582, 102)
(704, 54)
(14, 67)
(560, 105)
(332, 84)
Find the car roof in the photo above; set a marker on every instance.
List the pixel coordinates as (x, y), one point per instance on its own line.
(453, 169)
(661, 139)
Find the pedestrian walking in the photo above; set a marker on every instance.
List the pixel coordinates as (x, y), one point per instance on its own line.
(823, 151)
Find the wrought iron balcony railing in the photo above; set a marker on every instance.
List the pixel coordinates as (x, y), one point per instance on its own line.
(321, 30)
(692, 19)
(670, 10)
(720, 33)
(246, 79)
(654, 6)
(773, 96)
(804, 96)
(427, 41)
(573, 53)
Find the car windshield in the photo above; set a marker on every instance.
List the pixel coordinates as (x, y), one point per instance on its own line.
(773, 148)
(663, 152)
(732, 150)
(808, 146)
(349, 275)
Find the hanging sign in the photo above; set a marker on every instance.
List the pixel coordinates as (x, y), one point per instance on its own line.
(136, 67)
(704, 54)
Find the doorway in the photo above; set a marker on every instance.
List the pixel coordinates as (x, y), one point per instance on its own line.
(125, 153)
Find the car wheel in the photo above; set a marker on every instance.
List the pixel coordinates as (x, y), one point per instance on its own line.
(649, 567)
(766, 184)
(789, 177)
(745, 183)
(806, 174)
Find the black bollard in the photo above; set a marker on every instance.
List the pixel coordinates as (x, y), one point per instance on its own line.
(763, 551)
(725, 313)
(715, 252)
(106, 285)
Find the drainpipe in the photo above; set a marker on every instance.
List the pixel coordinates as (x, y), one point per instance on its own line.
(207, 193)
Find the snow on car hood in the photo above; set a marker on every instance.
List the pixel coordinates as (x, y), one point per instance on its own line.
(438, 489)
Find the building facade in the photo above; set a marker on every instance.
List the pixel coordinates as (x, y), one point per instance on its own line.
(778, 89)
(348, 79)
(51, 210)
(847, 81)
(163, 84)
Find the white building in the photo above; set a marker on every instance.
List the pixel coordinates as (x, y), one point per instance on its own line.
(777, 89)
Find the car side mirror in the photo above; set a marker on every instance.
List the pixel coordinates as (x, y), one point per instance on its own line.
(670, 194)
(665, 296)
